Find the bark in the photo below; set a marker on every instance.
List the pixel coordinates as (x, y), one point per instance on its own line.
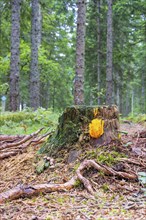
(117, 90)
(27, 190)
(80, 53)
(14, 64)
(109, 76)
(1, 11)
(143, 92)
(98, 51)
(35, 43)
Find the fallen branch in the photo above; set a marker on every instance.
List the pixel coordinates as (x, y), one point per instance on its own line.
(26, 138)
(40, 139)
(7, 138)
(8, 149)
(27, 190)
(8, 154)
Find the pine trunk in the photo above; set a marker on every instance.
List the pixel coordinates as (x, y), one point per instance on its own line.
(109, 77)
(35, 42)
(98, 51)
(14, 65)
(80, 54)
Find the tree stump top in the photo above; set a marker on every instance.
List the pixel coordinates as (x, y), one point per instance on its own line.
(73, 126)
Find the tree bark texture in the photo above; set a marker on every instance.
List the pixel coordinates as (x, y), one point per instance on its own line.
(14, 64)
(35, 43)
(98, 3)
(109, 77)
(80, 53)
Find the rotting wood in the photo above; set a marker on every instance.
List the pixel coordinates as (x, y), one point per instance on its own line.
(73, 127)
(28, 190)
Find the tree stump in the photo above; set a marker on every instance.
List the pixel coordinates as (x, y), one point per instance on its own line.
(75, 125)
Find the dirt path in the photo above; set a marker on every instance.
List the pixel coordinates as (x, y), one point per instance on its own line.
(124, 204)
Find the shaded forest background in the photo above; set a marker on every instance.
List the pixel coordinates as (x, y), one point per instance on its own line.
(57, 52)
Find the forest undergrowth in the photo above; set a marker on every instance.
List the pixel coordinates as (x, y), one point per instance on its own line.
(114, 198)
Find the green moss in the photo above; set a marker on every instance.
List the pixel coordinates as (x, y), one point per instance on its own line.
(71, 125)
(105, 158)
(77, 183)
(60, 200)
(76, 166)
(108, 158)
(105, 187)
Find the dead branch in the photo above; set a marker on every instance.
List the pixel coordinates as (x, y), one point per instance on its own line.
(26, 138)
(40, 139)
(12, 147)
(5, 153)
(7, 138)
(8, 154)
(27, 190)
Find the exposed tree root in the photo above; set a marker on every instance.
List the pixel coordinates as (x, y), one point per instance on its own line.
(27, 190)
(140, 162)
(11, 145)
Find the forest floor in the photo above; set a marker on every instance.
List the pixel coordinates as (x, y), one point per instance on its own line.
(115, 199)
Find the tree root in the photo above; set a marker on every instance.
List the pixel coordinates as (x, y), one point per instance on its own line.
(11, 145)
(140, 162)
(27, 190)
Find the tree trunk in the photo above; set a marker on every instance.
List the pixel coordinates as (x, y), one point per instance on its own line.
(80, 54)
(109, 77)
(35, 42)
(14, 65)
(98, 51)
(74, 127)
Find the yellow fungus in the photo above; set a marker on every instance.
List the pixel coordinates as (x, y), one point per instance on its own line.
(96, 128)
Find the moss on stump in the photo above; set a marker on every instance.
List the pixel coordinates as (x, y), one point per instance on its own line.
(73, 126)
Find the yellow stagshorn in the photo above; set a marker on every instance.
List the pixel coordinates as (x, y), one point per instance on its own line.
(96, 128)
